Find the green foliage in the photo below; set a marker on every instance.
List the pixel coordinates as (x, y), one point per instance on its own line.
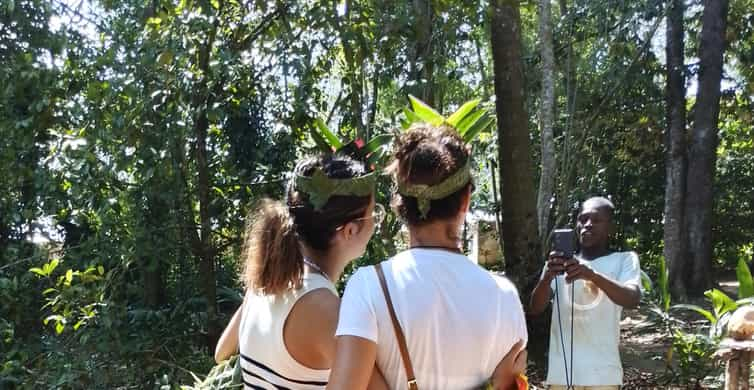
(468, 120)
(690, 357)
(225, 375)
(425, 113)
(745, 282)
(662, 283)
(370, 152)
(658, 301)
(695, 357)
(73, 297)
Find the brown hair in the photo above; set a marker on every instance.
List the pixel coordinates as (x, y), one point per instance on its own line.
(428, 154)
(272, 257)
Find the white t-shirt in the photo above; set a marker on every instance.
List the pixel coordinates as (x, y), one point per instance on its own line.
(596, 325)
(459, 320)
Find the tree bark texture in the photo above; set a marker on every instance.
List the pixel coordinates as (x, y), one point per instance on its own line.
(546, 120)
(202, 99)
(423, 61)
(567, 168)
(703, 147)
(520, 234)
(151, 252)
(675, 152)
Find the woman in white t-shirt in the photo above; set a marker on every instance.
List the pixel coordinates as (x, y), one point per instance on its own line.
(294, 253)
(458, 319)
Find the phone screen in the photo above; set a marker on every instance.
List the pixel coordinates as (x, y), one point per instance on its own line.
(563, 241)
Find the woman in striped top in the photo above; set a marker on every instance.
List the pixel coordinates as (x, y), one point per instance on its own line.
(294, 253)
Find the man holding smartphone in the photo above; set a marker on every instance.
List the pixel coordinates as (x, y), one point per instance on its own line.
(592, 287)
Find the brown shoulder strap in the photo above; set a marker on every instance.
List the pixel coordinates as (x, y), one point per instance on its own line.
(411, 378)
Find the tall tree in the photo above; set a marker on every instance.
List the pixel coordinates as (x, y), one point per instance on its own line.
(703, 146)
(354, 70)
(546, 120)
(202, 100)
(423, 59)
(675, 151)
(520, 234)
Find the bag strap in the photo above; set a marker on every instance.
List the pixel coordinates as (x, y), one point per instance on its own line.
(411, 378)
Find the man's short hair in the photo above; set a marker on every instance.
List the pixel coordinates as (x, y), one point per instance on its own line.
(600, 202)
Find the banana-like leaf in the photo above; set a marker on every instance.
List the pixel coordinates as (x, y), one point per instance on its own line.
(321, 141)
(405, 123)
(469, 121)
(706, 313)
(456, 118)
(411, 117)
(377, 142)
(721, 302)
(745, 282)
(331, 138)
(646, 282)
(373, 159)
(481, 125)
(425, 112)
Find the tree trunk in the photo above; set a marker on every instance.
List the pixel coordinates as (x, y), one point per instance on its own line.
(546, 120)
(567, 172)
(520, 235)
(353, 74)
(702, 151)
(152, 252)
(203, 249)
(521, 245)
(675, 153)
(373, 107)
(153, 281)
(206, 254)
(423, 65)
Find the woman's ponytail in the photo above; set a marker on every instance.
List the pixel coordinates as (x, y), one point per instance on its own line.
(272, 258)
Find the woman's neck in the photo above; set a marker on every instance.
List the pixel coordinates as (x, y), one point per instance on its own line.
(435, 235)
(327, 263)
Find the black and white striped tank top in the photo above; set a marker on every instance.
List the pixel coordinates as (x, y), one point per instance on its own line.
(265, 360)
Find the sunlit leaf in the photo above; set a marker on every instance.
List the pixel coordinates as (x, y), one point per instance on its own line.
(456, 118)
(721, 302)
(377, 142)
(706, 313)
(411, 117)
(38, 271)
(745, 282)
(425, 112)
(469, 121)
(331, 138)
(481, 125)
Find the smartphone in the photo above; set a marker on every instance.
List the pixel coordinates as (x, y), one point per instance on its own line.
(564, 241)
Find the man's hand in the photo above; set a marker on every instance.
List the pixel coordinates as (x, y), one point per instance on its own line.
(556, 265)
(576, 270)
(540, 297)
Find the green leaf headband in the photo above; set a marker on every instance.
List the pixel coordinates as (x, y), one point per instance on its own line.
(425, 193)
(320, 187)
